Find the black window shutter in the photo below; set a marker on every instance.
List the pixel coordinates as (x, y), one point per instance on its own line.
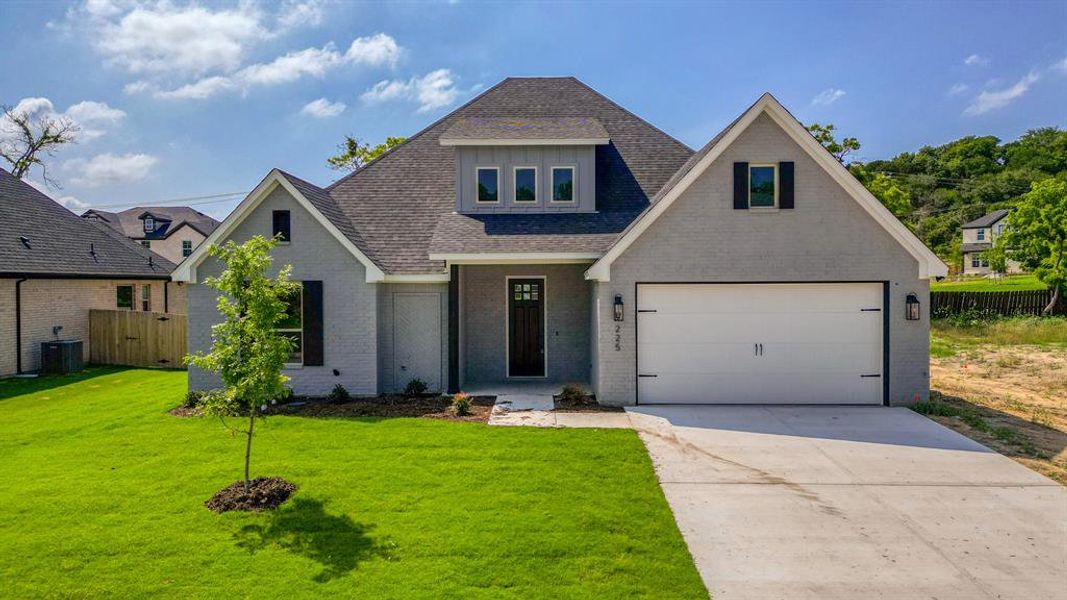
(741, 185)
(785, 181)
(281, 225)
(313, 323)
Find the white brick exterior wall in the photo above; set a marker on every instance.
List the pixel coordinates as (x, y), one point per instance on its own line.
(171, 248)
(827, 237)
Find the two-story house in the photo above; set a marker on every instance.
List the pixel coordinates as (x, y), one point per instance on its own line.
(541, 234)
(978, 237)
(172, 232)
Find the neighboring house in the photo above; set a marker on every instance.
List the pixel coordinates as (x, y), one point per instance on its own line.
(542, 233)
(172, 232)
(56, 266)
(978, 237)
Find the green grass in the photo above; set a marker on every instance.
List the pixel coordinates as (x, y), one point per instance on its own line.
(977, 283)
(102, 495)
(950, 336)
(936, 407)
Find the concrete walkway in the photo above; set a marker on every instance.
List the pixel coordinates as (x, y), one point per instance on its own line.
(850, 502)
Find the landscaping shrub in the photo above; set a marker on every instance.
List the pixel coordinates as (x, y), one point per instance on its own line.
(461, 404)
(193, 398)
(572, 393)
(339, 395)
(415, 387)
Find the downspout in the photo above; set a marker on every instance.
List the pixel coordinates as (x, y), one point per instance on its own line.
(18, 325)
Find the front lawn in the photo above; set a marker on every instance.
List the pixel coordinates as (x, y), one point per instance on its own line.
(978, 283)
(102, 495)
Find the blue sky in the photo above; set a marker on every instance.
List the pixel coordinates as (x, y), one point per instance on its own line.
(177, 99)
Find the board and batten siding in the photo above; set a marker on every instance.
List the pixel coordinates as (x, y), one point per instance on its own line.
(350, 320)
(506, 158)
(827, 237)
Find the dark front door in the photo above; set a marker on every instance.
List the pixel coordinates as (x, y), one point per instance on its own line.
(526, 327)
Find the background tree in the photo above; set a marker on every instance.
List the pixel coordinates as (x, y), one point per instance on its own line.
(825, 135)
(885, 189)
(1036, 235)
(246, 351)
(25, 140)
(354, 155)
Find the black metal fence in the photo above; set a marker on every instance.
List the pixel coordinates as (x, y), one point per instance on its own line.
(1008, 303)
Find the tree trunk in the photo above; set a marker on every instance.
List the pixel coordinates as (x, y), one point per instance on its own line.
(248, 446)
(1052, 303)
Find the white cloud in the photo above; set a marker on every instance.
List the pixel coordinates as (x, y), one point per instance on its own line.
(92, 118)
(70, 202)
(109, 169)
(434, 90)
(1061, 65)
(323, 108)
(300, 13)
(376, 50)
(205, 88)
(289, 68)
(975, 60)
(959, 88)
(828, 96)
(137, 87)
(992, 99)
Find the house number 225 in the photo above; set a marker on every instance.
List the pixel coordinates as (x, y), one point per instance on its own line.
(618, 337)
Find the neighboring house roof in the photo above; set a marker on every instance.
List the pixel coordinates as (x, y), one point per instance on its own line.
(39, 237)
(976, 247)
(929, 264)
(987, 220)
(528, 130)
(169, 220)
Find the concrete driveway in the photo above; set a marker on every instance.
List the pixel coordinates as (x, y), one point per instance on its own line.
(850, 502)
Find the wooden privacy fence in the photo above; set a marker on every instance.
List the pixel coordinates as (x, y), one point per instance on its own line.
(137, 339)
(1008, 303)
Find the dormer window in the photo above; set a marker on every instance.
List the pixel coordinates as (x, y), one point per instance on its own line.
(525, 184)
(149, 224)
(763, 186)
(488, 184)
(563, 184)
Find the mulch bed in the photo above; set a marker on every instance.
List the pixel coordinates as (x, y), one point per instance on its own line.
(184, 411)
(430, 407)
(264, 493)
(583, 404)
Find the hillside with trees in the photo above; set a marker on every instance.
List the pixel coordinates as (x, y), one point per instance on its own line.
(939, 188)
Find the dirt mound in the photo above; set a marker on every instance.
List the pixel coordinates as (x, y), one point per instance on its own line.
(264, 493)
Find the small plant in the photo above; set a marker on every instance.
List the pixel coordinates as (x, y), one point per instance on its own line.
(415, 387)
(572, 393)
(193, 398)
(339, 395)
(461, 404)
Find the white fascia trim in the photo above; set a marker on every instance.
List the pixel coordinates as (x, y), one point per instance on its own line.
(518, 258)
(530, 142)
(417, 278)
(186, 270)
(929, 264)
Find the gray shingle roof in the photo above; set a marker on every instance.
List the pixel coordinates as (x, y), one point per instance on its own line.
(401, 204)
(525, 128)
(976, 247)
(987, 220)
(58, 242)
(170, 218)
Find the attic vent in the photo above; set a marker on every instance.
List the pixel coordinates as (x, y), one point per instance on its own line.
(25, 241)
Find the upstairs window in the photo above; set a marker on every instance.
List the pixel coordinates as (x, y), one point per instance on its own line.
(525, 184)
(981, 235)
(762, 186)
(187, 247)
(124, 297)
(291, 326)
(563, 184)
(146, 243)
(146, 298)
(281, 226)
(149, 224)
(488, 184)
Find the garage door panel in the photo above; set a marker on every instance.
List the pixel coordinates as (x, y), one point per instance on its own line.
(760, 343)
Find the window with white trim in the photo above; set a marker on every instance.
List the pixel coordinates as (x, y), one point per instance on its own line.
(981, 235)
(488, 181)
(525, 184)
(762, 186)
(187, 247)
(146, 298)
(563, 184)
(292, 326)
(149, 224)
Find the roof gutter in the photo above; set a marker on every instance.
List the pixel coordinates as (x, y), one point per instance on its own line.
(14, 275)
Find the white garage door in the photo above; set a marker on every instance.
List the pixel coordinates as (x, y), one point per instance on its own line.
(759, 343)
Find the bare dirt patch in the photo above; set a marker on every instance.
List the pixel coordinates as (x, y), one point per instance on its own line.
(263, 493)
(1020, 391)
(185, 411)
(431, 407)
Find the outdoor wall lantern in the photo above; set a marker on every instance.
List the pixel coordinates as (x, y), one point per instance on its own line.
(912, 308)
(618, 307)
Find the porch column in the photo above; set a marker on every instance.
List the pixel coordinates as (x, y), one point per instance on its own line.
(453, 329)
